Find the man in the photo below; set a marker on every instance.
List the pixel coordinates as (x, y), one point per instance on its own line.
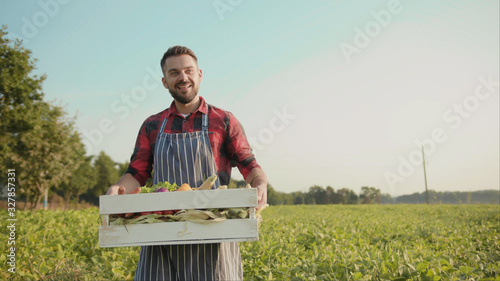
(185, 143)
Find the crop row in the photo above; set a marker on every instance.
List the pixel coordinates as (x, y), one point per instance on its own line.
(307, 242)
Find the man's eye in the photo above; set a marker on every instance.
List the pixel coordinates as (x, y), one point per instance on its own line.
(189, 71)
(173, 73)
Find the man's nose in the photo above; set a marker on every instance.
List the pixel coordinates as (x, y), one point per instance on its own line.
(183, 76)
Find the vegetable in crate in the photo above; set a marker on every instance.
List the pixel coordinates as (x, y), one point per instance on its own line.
(184, 187)
(190, 215)
(208, 183)
(154, 188)
(161, 189)
(164, 187)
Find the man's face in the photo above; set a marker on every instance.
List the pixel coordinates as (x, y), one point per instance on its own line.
(182, 78)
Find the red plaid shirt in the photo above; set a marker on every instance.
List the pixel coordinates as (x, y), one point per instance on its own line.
(227, 139)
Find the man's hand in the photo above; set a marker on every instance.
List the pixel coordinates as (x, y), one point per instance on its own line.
(127, 182)
(113, 190)
(257, 178)
(261, 196)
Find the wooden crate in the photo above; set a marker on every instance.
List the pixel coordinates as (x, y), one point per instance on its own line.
(185, 232)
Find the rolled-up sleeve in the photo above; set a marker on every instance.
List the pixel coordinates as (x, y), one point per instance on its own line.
(141, 161)
(239, 150)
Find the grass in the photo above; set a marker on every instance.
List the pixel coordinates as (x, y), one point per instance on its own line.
(307, 242)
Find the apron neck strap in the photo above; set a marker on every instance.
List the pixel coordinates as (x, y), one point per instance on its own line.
(204, 123)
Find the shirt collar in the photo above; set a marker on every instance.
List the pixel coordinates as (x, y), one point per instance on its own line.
(203, 108)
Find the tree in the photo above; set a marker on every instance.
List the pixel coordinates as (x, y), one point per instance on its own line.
(278, 198)
(386, 198)
(287, 198)
(299, 198)
(49, 153)
(20, 91)
(316, 195)
(370, 195)
(79, 182)
(330, 195)
(273, 197)
(106, 173)
(36, 138)
(347, 196)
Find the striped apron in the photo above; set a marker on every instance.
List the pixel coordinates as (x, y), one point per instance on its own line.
(187, 158)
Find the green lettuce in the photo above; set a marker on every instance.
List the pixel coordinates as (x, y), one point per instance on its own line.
(166, 184)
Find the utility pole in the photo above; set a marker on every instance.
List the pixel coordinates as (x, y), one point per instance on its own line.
(425, 177)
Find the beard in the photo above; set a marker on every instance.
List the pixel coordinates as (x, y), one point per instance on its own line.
(184, 99)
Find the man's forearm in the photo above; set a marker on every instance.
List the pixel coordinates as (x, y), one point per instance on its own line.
(257, 178)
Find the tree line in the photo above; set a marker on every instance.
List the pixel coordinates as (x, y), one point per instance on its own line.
(371, 195)
(320, 195)
(487, 196)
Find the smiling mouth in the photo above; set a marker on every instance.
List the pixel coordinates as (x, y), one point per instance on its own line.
(183, 86)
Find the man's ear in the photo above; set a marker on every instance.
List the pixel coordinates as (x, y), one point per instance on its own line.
(201, 74)
(164, 81)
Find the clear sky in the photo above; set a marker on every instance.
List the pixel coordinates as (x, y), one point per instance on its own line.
(330, 93)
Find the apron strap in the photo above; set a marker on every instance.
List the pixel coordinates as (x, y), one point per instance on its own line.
(163, 124)
(204, 123)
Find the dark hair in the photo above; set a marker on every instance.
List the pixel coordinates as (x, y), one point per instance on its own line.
(177, 51)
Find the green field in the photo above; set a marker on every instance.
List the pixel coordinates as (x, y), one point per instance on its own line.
(308, 242)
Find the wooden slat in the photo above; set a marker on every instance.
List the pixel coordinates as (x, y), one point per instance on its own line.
(170, 233)
(105, 219)
(251, 213)
(200, 199)
(181, 242)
